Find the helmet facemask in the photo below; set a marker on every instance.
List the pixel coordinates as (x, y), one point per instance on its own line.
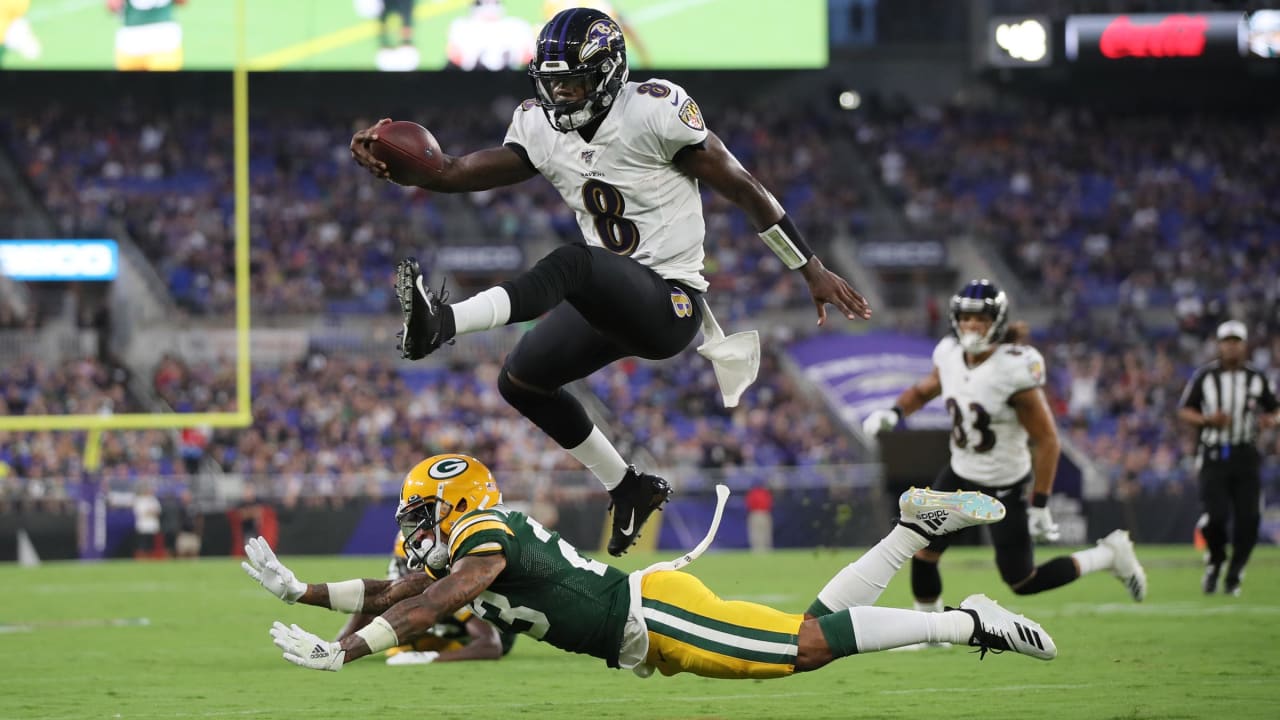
(982, 299)
(419, 520)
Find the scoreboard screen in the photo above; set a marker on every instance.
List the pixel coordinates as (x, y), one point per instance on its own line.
(395, 34)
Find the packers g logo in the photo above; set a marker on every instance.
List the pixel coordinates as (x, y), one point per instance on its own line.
(681, 303)
(448, 468)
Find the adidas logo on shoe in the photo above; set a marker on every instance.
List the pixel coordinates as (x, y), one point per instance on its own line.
(938, 513)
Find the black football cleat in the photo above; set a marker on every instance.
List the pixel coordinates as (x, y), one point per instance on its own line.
(424, 313)
(1209, 583)
(633, 501)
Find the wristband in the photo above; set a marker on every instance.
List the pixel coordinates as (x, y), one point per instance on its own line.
(1039, 499)
(785, 240)
(346, 596)
(898, 410)
(378, 635)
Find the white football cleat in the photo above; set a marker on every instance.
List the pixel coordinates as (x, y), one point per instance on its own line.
(940, 513)
(1126, 566)
(997, 630)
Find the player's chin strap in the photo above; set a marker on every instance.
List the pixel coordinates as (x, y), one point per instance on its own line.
(735, 359)
(637, 663)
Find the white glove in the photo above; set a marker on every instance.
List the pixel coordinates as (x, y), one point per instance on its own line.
(423, 657)
(307, 650)
(263, 566)
(880, 421)
(1042, 526)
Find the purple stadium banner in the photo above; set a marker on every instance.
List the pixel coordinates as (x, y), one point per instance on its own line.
(862, 373)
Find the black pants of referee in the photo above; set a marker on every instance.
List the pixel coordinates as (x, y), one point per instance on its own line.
(603, 307)
(1231, 490)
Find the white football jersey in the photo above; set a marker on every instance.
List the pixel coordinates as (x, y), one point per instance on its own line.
(988, 444)
(628, 196)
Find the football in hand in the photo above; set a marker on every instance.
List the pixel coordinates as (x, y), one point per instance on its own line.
(410, 151)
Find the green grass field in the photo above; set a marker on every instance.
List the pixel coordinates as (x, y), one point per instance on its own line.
(327, 34)
(205, 653)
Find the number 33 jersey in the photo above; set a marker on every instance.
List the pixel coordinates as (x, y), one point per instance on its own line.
(547, 590)
(627, 194)
(988, 444)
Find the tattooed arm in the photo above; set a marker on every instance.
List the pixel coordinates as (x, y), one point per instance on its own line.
(413, 615)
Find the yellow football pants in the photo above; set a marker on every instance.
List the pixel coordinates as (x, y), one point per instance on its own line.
(168, 60)
(692, 630)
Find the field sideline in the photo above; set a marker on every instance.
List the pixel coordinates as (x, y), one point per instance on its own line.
(75, 645)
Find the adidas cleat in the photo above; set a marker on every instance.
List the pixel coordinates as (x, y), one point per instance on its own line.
(633, 501)
(1126, 567)
(998, 630)
(424, 323)
(939, 513)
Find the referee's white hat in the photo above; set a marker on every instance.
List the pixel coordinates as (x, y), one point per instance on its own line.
(1233, 329)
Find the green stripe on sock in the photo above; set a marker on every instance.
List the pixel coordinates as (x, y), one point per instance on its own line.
(712, 623)
(719, 647)
(837, 628)
(817, 609)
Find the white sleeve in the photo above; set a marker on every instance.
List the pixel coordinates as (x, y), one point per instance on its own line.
(940, 350)
(673, 117)
(1024, 368)
(520, 131)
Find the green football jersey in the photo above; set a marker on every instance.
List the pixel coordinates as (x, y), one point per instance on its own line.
(147, 12)
(548, 590)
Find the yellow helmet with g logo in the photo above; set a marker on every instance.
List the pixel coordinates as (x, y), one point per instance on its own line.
(441, 489)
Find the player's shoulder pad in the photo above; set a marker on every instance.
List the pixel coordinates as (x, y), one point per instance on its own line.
(527, 105)
(945, 346)
(1022, 365)
(478, 532)
(664, 101)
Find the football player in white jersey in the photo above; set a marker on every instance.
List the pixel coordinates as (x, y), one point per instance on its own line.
(628, 158)
(992, 386)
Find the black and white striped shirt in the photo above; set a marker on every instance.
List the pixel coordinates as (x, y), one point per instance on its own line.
(1239, 393)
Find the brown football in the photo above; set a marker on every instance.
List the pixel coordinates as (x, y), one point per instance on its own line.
(409, 150)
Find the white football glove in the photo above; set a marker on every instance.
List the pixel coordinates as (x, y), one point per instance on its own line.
(1042, 526)
(423, 657)
(307, 650)
(263, 566)
(880, 421)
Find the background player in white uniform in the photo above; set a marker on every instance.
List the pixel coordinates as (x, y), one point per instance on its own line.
(628, 158)
(992, 386)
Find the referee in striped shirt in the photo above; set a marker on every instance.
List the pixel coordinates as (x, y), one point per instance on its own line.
(1229, 401)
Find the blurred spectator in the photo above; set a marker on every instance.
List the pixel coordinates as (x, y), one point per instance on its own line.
(760, 519)
(148, 542)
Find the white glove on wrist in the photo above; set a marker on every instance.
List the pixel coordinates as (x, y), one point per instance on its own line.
(270, 573)
(880, 421)
(1041, 525)
(307, 650)
(413, 657)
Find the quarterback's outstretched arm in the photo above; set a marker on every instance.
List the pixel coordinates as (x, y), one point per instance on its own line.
(480, 170)
(712, 163)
